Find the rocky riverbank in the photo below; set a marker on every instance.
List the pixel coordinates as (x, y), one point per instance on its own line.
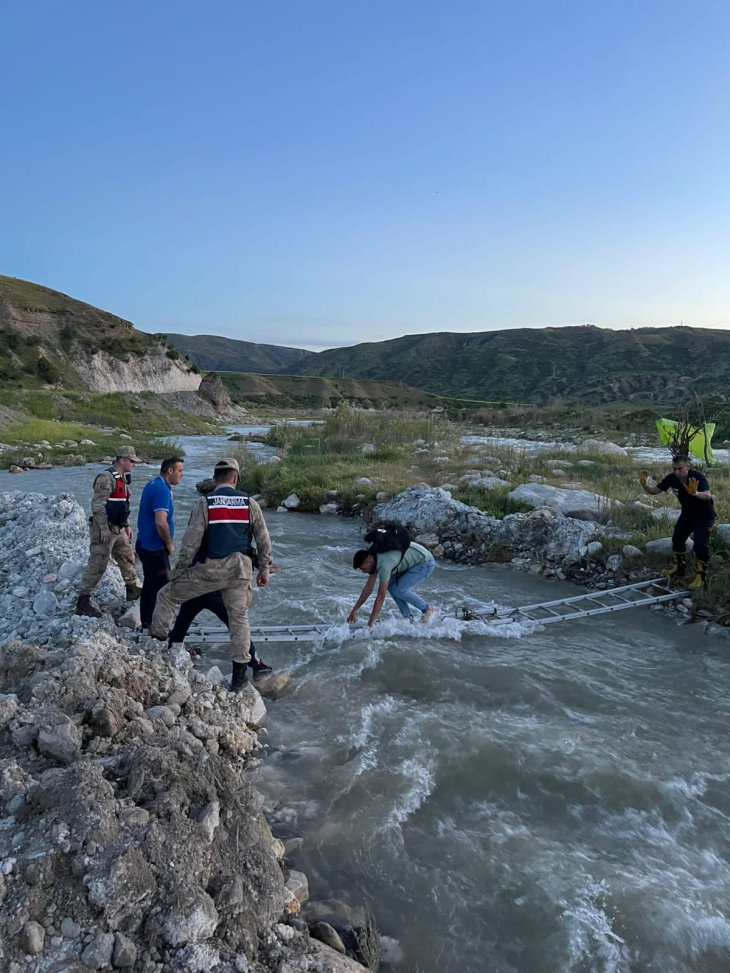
(129, 838)
(545, 541)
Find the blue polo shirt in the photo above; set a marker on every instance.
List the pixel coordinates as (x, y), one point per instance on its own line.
(157, 495)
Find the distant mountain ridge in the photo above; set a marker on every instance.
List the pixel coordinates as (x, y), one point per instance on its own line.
(217, 354)
(578, 364)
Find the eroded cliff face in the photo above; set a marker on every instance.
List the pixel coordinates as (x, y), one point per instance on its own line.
(152, 372)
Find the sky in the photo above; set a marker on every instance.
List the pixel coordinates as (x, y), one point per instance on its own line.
(317, 173)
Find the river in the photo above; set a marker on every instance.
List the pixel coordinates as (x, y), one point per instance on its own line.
(532, 802)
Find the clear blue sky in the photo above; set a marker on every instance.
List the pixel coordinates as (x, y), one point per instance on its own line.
(318, 173)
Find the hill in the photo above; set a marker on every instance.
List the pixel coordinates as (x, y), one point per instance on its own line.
(50, 339)
(212, 353)
(306, 392)
(580, 364)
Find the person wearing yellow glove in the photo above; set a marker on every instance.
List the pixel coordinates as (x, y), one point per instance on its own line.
(692, 490)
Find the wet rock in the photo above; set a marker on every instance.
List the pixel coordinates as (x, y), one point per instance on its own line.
(326, 934)
(124, 953)
(329, 961)
(298, 884)
(99, 951)
(16, 469)
(61, 742)
(274, 684)
(32, 938)
(328, 509)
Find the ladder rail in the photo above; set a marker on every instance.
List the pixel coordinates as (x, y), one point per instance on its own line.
(660, 583)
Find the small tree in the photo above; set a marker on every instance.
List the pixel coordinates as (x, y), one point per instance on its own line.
(690, 423)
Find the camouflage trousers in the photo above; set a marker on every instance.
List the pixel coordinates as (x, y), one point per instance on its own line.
(100, 554)
(232, 577)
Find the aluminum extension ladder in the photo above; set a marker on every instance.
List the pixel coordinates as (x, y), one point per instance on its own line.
(594, 602)
(652, 592)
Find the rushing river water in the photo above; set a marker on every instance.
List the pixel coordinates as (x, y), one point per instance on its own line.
(545, 801)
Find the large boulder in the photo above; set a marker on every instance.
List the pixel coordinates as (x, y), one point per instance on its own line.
(664, 546)
(580, 504)
(602, 448)
(211, 389)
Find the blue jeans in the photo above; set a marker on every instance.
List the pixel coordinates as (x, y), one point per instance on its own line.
(400, 587)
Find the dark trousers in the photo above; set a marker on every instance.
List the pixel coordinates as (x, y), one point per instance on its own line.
(155, 568)
(687, 525)
(189, 611)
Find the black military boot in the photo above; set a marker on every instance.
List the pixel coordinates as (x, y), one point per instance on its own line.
(238, 678)
(260, 669)
(84, 607)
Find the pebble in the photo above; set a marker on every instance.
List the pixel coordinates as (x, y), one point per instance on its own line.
(32, 938)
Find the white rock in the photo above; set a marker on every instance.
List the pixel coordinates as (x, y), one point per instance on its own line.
(724, 531)
(215, 676)
(328, 509)
(131, 619)
(670, 514)
(364, 481)
(586, 462)
(292, 502)
(594, 549)
(580, 504)
(210, 818)
(536, 478)
(614, 563)
(602, 448)
(298, 884)
(367, 448)
(664, 546)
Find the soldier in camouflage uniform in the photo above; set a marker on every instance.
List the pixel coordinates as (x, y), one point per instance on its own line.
(110, 532)
(222, 523)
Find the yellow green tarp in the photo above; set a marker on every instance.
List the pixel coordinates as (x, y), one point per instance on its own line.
(699, 444)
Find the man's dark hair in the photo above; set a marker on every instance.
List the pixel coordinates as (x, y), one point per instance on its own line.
(225, 474)
(360, 558)
(169, 463)
(681, 458)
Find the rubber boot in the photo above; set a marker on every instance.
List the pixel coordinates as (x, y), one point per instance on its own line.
(679, 566)
(133, 592)
(84, 607)
(238, 679)
(700, 577)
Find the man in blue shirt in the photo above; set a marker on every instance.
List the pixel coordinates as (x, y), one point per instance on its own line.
(155, 531)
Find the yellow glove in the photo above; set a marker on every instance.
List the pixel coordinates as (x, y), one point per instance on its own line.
(692, 484)
(643, 477)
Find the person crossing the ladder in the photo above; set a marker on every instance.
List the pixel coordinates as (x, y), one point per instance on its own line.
(397, 564)
(222, 523)
(692, 490)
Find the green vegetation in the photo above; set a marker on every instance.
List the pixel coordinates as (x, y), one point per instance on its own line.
(586, 364)
(304, 392)
(213, 353)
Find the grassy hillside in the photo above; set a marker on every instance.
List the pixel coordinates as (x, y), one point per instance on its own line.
(306, 392)
(586, 364)
(49, 338)
(212, 353)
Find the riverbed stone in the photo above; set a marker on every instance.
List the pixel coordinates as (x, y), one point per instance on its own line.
(98, 953)
(124, 953)
(298, 884)
(579, 504)
(630, 552)
(292, 502)
(32, 938)
(724, 531)
(602, 448)
(664, 546)
(670, 514)
(328, 509)
(61, 742)
(328, 935)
